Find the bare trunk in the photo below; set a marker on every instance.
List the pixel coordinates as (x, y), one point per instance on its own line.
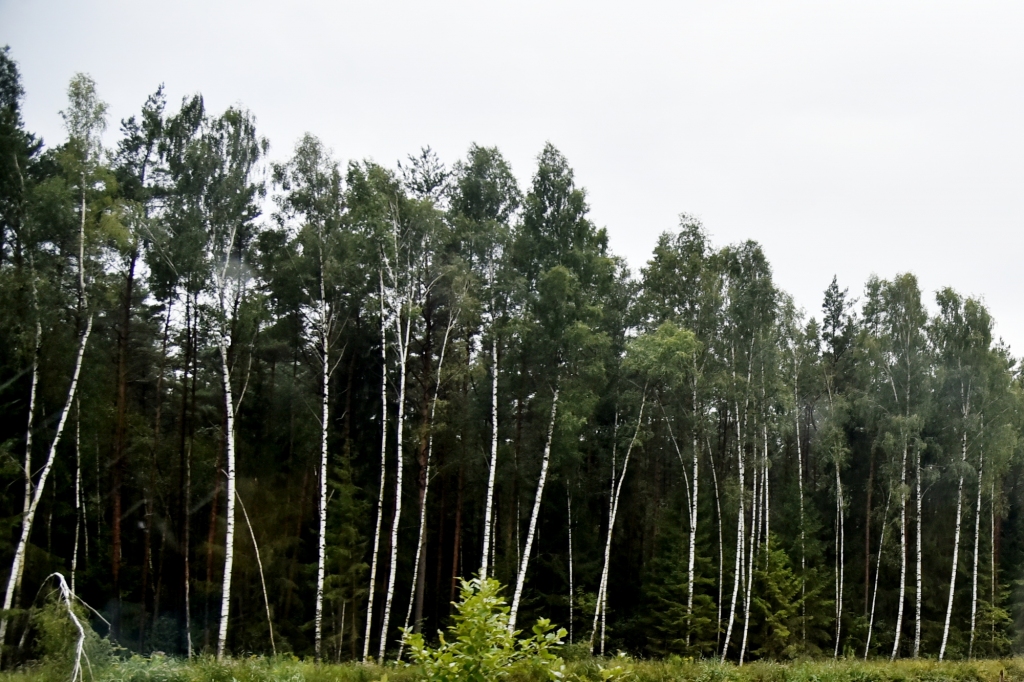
(17, 567)
(755, 527)
(903, 555)
(917, 610)
(568, 504)
(721, 551)
(78, 490)
(229, 536)
(738, 569)
(693, 524)
(37, 342)
(403, 356)
(383, 478)
(602, 594)
(492, 465)
(956, 553)
(259, 565)
(803, 541)
(325, 390)
(841, 572)
(878, 568)
(525, 562)
(420, 562)
(974, 571)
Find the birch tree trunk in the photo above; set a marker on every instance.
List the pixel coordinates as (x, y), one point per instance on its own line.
(803, 545)
(403, 356)
(525, 561)
(18, 565)
(917, 612)
(693, 524)
(841, 572)
(903, 554)
(721, 550)
(738, 570)
(325, 385)
(383, 475)
(568, 504)
(602, 592)
(492, 465)
(229, 537)
(956, 553)
(419, 563)
(974, 571)
(37, 342)
(878, 569)
(755, 526)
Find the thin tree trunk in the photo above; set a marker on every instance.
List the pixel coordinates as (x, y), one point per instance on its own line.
(383, 476)
(420, 562)
(738, 570)
(525, 563)
(841, 572)
(903, 554)
(400, 423)
(325, 389)
(17, 567)
(37, 342)
(259, 564)
(229, 536)
(917, 611)
(878, 569)
(568, 504)
(956, 553)
(867, 531)
(803, 546)
(492, 465)
(755, 527)
(693, 524)
(721, 550)
(78, 489)
(974, 572)
(602, 594)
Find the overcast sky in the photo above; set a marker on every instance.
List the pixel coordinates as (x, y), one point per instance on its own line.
(848, 138)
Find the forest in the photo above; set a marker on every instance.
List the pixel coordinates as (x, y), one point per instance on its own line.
(264, 400)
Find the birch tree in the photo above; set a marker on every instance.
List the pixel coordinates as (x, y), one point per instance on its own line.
(85, 120)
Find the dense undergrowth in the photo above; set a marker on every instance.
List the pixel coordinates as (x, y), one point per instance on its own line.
(288, 669)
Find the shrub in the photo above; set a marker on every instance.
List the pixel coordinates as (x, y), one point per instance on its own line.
(479, 646)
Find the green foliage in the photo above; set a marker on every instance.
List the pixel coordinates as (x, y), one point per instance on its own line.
(480, 647)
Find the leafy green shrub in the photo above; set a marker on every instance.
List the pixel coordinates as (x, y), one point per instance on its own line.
(480, 647)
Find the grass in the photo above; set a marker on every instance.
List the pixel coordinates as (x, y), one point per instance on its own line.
(288, 669)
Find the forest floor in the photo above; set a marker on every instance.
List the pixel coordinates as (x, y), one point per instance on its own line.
(289, 669)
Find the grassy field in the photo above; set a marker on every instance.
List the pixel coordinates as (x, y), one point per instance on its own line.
(286, 669)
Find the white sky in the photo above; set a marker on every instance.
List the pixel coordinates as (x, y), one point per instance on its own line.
(848, 138)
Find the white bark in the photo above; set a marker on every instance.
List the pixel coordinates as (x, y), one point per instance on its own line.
(693, 523)
(841, 558)
(525, 562)
(78, 489)
(956, 552)
(721, 549)
(974, 572)
(738, 570)
(602, 592)
(17, 567)
(903, 555)
(32, 392)
(492, 465)
(755, 527)
(259, 564)
(402, 335)
(229, 537)
(568, 504)
(383, 474)
(878, 568)
(917, 612)
(422, 537)
(325, 386)
(803, 550)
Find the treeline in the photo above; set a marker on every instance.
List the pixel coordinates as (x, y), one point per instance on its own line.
(254, 405)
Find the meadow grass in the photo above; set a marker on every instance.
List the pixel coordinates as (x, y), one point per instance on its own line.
(290, 669)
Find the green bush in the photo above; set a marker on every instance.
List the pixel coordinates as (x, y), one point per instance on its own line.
(479, 646)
